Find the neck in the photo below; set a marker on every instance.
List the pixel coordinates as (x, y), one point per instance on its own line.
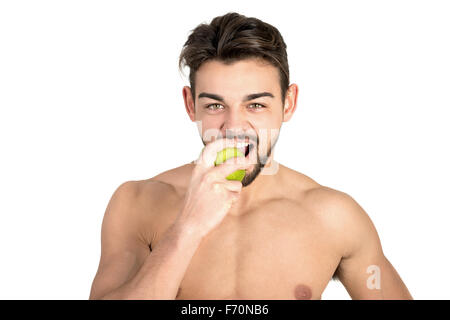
(261, 188)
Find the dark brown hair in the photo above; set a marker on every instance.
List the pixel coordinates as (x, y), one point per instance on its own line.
(234, 37)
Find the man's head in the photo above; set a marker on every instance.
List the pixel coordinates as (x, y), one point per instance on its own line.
(230, 60)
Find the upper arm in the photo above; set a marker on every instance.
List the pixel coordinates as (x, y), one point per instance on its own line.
(364, 270)
(122, 249)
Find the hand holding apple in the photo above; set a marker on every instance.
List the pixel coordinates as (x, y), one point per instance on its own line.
(226, 154)
(211, 193)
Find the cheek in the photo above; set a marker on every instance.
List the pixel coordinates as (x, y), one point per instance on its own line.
(267, 137)
(210, 133)
(267, 120)
(208, 126)
(210, 121)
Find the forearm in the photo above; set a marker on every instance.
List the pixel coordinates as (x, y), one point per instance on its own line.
(162, 272)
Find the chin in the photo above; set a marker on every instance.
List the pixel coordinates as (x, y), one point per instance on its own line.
(252, 175)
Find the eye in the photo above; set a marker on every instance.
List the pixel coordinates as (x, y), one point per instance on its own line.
(213, 106)
(210, 105)
(257, 104)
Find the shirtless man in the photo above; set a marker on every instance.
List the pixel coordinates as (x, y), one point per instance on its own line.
(189, 233)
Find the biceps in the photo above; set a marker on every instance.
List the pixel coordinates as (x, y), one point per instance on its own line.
(116, 270)
(122, 248)
(361, 275)
(372, 277)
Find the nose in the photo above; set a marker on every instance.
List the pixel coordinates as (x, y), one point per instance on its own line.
(235, 123)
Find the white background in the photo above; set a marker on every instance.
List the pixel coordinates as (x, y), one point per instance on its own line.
(90, 97)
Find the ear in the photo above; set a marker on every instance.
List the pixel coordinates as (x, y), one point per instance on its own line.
(189, 102)
(290, 102)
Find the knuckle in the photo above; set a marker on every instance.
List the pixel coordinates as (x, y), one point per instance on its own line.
(233, 197)
(203, 159)
(207, 178)
(216, 187)
(235, 185)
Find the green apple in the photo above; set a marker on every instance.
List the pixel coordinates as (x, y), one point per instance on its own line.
(226, 154)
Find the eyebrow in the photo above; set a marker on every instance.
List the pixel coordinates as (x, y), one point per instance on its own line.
(246, 98)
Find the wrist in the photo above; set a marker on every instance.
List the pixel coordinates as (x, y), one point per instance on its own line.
(186, 231)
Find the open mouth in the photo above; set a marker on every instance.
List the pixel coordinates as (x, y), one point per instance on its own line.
(248, 149)
(245, 148)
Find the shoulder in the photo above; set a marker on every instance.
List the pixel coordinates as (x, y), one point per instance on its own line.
(135, 198)
(343, 217)
(177, 179)
(324, 199)
(136, 207)
(137, 195)
(130, 191)
(312, 193)
(293, 184)
(336, 212)
(168, 182)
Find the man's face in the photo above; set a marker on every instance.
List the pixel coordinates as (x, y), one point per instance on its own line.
(223, 107)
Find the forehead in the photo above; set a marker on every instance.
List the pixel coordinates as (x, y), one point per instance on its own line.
(237, 79)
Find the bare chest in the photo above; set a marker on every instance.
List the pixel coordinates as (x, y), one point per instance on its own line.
(276, 251)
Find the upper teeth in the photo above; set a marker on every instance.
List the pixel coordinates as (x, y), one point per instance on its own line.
(242, 144)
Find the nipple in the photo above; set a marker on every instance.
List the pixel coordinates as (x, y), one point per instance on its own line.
(302, 292)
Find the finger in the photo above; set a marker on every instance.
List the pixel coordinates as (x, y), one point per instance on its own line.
(233, 185)
(209, 152)
(221, 171)
(234, 197)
